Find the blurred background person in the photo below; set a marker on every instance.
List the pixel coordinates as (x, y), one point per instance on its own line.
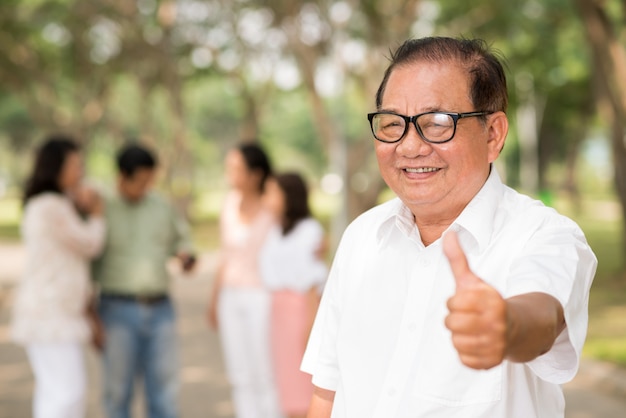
(51, 309)
(143, 232)
(239, 303)
(291, 267)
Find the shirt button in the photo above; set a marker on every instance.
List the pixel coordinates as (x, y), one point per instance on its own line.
(412, 326)
(392, 392)
(424, 263)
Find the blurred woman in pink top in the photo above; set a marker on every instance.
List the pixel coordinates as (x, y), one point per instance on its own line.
(239, 305)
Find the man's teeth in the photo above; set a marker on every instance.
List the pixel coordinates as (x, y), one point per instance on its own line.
(421, 170)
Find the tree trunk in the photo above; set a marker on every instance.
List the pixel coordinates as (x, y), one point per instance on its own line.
(619, 160)
(610, 58)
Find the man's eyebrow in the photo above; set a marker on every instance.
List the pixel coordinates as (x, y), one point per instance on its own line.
(383, 109)
(425, 110)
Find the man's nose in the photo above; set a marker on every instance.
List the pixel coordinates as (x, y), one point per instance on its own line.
(413, 145)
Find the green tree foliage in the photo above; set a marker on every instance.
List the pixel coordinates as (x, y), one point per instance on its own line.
(195, 77)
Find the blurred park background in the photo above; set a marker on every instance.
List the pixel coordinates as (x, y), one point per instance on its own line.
(193, 78)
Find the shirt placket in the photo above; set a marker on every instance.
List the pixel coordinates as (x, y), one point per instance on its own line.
(420, 275)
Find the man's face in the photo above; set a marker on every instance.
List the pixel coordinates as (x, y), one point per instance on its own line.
(134, 188)
(436, 179)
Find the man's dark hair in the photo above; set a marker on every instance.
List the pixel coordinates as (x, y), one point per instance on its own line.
(133, 157)
(487, 79)
(296, 199)
(49, 161)
(256, 160)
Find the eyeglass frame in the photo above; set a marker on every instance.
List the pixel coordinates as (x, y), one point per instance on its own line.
(408, 120)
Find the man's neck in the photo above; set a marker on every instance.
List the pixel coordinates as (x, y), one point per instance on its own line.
(433, 219)
(431, 228)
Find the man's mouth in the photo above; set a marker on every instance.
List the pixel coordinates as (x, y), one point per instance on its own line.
(421, 170)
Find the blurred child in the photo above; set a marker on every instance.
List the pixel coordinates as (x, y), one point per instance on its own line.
(292, 269)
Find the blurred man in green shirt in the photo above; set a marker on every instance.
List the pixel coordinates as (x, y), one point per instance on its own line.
(143, 233)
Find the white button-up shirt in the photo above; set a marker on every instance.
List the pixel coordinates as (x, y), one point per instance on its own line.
(379, 339)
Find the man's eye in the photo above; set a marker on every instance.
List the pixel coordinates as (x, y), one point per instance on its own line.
(392, 124)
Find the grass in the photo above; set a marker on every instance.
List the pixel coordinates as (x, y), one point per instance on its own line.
(205, 234)
(10, 213)
(606, 336)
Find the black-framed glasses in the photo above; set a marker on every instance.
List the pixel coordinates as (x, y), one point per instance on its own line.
(433, 127)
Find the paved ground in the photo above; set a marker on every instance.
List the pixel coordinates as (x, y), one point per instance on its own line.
(599, 390)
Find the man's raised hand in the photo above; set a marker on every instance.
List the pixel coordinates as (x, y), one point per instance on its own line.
(478, 313)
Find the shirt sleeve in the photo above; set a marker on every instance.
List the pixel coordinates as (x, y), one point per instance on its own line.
(558, 261)
(84, 237)
(320, 357)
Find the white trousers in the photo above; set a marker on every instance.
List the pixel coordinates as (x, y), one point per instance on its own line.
(244, 321)
(60, 380)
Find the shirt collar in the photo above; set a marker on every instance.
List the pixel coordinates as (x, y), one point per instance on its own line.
(398, 215)
(477, 218)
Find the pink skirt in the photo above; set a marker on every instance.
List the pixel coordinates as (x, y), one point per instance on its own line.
(289, 328)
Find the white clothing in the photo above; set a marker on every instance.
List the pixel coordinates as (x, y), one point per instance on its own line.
(51, 298)
(244, 311)
(379, 339)
(290, 262)
(60, 380)
(244, 333)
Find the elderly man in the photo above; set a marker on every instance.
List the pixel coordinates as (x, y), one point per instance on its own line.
(461, 298)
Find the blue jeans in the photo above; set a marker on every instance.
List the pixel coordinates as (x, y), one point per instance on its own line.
(140, 342)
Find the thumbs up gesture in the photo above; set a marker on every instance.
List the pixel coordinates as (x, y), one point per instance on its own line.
(478, 313)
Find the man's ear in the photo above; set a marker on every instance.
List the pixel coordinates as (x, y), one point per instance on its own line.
(498, 127)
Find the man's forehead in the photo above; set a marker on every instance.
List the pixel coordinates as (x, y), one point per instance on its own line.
(140, 174)
(435, 82)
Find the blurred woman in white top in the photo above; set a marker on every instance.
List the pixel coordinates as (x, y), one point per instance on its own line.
(292, 268)
(50, 312)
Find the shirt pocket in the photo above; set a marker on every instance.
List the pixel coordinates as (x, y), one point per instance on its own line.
(442, 378)
(457, 385)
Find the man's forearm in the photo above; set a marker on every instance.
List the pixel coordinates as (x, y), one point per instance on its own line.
(321, 403)
(534, 322)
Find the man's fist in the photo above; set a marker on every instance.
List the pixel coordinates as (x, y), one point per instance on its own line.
(478, 313)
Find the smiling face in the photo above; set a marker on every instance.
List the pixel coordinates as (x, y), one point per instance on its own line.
(437, 180)
(274, 199)
(71, 171)
(240, 177)
(135, 187)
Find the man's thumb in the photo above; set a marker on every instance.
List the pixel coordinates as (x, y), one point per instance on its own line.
(463, 276)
